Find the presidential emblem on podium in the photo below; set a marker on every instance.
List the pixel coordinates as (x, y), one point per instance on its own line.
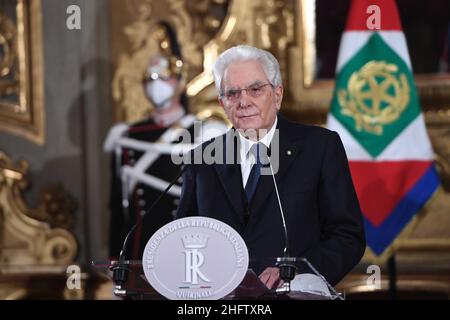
(195, 258)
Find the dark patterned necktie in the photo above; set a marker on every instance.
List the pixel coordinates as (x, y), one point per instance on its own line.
(255, 173)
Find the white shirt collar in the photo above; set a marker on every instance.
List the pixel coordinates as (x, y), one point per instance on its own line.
(246, 144)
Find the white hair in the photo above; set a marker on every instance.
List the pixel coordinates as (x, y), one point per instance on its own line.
(246, 53)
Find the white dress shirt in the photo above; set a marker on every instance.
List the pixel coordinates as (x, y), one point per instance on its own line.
(247, 158)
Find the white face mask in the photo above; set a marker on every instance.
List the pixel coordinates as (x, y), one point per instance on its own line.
(159, 92)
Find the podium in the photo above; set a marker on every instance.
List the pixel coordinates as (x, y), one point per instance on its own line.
(203, 258)
(136, 287)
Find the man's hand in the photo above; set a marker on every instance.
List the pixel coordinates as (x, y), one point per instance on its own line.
(271, 277)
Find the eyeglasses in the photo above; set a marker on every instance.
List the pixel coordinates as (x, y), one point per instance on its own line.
(254, 91)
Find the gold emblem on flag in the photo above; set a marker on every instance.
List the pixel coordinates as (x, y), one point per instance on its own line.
(376, 96)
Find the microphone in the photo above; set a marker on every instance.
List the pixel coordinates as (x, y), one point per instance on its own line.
(286, 264)
(120, 270)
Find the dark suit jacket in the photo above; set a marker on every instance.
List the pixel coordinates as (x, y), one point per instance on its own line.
(322, 212)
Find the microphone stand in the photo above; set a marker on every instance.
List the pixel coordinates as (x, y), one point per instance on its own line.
(120, 270)
(286, 263)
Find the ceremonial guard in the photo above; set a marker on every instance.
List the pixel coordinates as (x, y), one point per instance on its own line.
(139, 170)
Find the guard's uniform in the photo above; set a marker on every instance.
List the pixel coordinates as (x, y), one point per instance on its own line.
(140, 195)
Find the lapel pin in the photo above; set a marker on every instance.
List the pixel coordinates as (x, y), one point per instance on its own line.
(289, 152)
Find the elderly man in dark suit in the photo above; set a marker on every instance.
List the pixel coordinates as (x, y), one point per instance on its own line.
(321, 209)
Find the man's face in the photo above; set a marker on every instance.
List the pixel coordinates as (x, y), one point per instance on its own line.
(257, 107)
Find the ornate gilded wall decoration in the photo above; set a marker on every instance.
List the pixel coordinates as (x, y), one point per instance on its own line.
(35, 244)
(204, 29)
(135, 41)
(21, 77)
(32, 237)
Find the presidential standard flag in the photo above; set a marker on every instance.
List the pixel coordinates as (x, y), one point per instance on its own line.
(376, 111)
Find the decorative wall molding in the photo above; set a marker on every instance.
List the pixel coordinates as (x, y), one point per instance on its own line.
(28, 239)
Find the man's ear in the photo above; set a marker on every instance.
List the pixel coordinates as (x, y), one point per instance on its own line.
(278, 96)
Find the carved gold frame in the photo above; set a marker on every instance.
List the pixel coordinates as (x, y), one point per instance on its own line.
(27, 117)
